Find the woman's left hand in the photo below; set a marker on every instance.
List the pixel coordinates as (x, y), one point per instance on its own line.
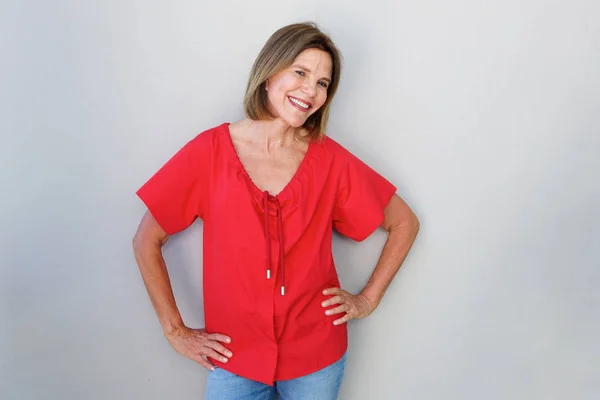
(352, 306)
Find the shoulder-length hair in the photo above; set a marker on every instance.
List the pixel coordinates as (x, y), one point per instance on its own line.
(279, 53)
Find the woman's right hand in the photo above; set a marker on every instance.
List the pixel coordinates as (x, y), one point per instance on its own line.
(196, 344)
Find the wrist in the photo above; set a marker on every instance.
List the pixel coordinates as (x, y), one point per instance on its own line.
(371, 298)
(170, 327)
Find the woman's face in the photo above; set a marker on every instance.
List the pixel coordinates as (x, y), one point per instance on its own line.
(300, 90)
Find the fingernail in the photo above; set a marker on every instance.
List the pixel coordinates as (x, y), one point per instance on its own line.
(228, 340)
(327, 312)
(224, 359)
(229, 354)
(324, 304)
(212, 368)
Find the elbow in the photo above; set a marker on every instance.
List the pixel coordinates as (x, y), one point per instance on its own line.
(141, 240)
(415, 223)
(410, 225)
(148, 238)
(407, 226)
(137, 242)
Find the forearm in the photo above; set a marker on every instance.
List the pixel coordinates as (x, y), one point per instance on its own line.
(397, 246)
(156, 278)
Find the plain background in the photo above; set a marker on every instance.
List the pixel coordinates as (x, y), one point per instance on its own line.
(484, 114)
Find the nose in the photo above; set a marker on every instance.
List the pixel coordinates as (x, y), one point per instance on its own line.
(310, 88)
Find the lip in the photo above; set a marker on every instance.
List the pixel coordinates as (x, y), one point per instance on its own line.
(297, 106)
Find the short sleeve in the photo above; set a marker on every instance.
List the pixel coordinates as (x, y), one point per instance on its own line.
(362, 196)
(175, 194)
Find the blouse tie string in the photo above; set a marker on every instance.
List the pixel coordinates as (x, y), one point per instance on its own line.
(266, 197)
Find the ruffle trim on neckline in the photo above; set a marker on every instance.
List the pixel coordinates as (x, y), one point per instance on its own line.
(291, 195)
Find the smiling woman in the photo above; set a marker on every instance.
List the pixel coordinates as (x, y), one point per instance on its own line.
(270, 188)
(305, 61)
(299, 87)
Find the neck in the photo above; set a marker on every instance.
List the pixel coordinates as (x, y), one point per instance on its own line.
(271, 134)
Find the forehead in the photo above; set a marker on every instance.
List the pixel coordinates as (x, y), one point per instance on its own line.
(318, 61)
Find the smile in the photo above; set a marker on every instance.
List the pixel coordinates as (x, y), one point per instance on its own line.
(299, 103)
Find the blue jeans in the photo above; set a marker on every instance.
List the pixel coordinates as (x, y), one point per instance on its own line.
(321, 385)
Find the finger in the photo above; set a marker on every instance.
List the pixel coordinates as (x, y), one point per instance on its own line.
(342, 320)
(337, 310)
(331, 301)
(219, 348)
(208, 352)
(332, 291)
(219, 337)
(202, 361)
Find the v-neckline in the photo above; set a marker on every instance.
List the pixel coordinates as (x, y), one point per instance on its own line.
(253, 185)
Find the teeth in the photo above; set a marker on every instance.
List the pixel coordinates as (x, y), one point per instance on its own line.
(301, 104)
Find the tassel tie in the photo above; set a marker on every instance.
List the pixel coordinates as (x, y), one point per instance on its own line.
(266, 197)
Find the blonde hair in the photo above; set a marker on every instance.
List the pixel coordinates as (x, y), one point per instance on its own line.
(279, 53)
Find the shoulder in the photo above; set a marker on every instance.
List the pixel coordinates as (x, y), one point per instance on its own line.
(338, 153)
(208, 137)
(344, 163)
(200, 148)
(206, 143)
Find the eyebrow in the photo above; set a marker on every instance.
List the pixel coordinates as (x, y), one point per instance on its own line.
(302, 67)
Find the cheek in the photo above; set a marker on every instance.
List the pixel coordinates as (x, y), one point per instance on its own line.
(322, 98)
(276, 97)
(278, 92)
(288, 83)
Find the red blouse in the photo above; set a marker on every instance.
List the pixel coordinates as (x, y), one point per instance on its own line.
(264, 272)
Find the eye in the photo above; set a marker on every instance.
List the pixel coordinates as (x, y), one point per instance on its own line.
(301, 73)
(324, 84)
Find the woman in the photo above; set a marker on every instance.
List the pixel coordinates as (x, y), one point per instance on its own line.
(269, 189)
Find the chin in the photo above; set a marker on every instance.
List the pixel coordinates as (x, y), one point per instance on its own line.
(296, 122)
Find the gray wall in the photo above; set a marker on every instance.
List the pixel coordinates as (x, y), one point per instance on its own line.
(485, 115)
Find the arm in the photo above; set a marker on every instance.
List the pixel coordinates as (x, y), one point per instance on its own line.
(147, 247)
(192, 343)
(402, 226)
